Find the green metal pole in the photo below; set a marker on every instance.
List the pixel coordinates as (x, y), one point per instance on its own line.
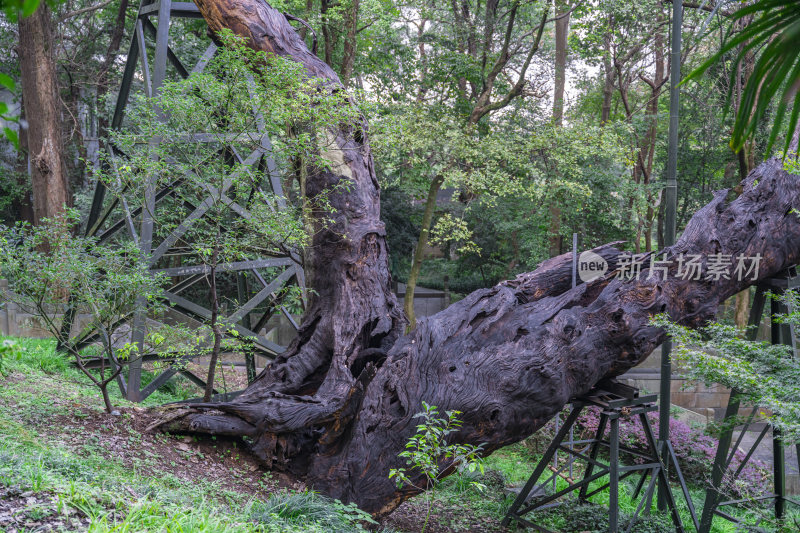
(613, 476)
(670, 209)
(778, 457)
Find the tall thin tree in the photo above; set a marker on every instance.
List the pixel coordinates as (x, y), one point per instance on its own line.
(43, 115)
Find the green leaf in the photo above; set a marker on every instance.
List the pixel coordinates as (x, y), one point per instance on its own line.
(28, 7)
(12, 136)
(7, 82)
(772, 35)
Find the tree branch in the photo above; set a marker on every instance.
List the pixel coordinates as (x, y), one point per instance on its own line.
(81, 11)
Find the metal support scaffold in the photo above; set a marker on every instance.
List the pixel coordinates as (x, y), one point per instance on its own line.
(151, 60)
(779, 334)
(616, 402)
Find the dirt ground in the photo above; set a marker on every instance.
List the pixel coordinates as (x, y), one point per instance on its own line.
(124, 438)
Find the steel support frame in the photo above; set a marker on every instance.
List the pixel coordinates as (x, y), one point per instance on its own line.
(138, 60)
(616, 401)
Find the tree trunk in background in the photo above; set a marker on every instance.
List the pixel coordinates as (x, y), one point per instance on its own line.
(742, 303)
(742, 308)
(302, 30)
(562, 32)
(111, 55)
(608, 81)
(216, 329)
(480, 95)
(43, 113)
(327, 33)
(559, 83)
(647, 150)
(338, 406)
(554, 229)
(350, 43)
(419, 251)
(75, 163)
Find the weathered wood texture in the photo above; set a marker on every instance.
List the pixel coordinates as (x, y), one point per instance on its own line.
(337, 408)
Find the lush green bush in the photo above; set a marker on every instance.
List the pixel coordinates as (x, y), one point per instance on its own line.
(50, 269)
(763, 374)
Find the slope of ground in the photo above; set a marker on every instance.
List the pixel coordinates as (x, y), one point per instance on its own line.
(66, 465)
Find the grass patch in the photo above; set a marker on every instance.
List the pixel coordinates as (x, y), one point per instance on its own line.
(78, 484)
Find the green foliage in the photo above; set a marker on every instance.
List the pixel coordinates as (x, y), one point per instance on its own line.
(241, 96)
(505, 177)
(791, 163)
(430, 456)
(200, 137)
(47, 267)
(15, 9)
(764, 374)
(772, 34)
(15, 188)
(311, 509)
(7, 82)
(8, 349)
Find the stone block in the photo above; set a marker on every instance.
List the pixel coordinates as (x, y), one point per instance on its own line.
(683, 399)
(679, 385)
(711, 399)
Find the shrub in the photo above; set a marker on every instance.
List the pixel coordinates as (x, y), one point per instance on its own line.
(8, 349)
(429, 455)
(763, 374)
(48, 269)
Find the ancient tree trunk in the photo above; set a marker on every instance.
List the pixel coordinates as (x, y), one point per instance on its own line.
(43, 114)
(353, 317)
(338, 406)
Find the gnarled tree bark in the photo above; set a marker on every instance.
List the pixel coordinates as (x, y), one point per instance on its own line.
(338, 406)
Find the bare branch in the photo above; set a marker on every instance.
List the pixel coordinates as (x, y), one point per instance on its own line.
(81, 11)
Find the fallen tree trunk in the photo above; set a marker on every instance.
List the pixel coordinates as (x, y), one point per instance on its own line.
(337, 407)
